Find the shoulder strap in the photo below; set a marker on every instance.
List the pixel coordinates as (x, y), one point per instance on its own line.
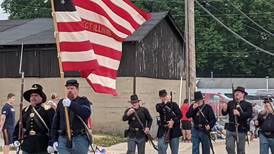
(41, 119)
(139, 120)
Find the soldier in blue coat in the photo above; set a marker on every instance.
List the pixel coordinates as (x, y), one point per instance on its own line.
(169, 124)
(78, 107)
(204, 120)
(36, 122)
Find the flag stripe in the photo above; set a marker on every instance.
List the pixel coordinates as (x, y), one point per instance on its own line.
(108, 62)
(105, 41)
(69, 26)
(131, 11)
(101, 80)
(77, 66)
(124, 14)
(108, 52)
(100, 71)
(101, 89)
(77, 56)
(119, 20)
(99, 19)
(67, 17)
(147, 16)
(73, 36)
(75, 46)
(93, 7)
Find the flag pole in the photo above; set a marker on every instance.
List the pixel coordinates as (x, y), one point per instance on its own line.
(56, 35)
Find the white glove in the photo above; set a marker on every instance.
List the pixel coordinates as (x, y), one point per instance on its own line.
(66, 102)
(16, 144)
(55, 146)
(50, 149)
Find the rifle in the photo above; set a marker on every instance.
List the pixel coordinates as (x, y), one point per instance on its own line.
(149, 137)
(20, 133)
(167, 133)
(207, 132)
(235, 117)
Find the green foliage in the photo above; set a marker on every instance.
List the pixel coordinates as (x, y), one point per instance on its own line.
(107, 139)
(27, 9)
(217, 49)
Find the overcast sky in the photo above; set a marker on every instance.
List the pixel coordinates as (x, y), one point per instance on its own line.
(3, 16)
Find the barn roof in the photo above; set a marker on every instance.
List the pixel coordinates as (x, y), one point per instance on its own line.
(40, 31)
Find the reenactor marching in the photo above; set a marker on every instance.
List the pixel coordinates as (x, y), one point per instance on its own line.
(239, 111)
(79, 111)
(36, 121)
(169, 124)
(203, 121)
(139, 121)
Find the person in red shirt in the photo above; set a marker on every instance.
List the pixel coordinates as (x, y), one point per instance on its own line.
(186, 122)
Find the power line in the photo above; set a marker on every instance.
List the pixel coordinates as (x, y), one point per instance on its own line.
(250, 18)
(230, 30)
(216, 9)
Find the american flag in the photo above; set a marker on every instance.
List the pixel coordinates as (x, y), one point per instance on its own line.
(91, 33)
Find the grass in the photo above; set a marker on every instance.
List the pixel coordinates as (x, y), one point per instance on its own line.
(107, 139)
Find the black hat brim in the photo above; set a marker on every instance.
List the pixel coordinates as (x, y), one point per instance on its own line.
(241, 91)
(134, 101)
(37, 91)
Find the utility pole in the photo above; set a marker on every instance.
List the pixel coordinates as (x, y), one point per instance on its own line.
(190, 48)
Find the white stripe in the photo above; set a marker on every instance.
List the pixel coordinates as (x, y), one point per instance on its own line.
(104, 41)
(97, 18)
(67, 17)
(104, 81)
(77, 56)
(108, 62)
(73, 36)
(116, 18)
(131, 11)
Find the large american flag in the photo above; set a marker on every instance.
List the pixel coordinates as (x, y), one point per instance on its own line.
(90, 34)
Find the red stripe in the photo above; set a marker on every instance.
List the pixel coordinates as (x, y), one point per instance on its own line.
(101, 89)
(107, 52)
(147, 16)
(70, 26)
(91, 6)
(124, 14)
(76, 46)
(100, 29)
(101, 71)
(78, 66)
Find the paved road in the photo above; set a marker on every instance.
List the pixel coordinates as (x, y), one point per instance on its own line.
(185, 148)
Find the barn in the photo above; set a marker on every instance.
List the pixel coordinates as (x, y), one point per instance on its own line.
(153, 59)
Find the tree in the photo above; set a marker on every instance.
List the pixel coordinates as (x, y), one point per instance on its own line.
(26, 9)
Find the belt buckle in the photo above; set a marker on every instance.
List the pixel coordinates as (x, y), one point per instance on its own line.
(136, 129)
(32, 132)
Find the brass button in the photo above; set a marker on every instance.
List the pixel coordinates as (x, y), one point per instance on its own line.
(31, 115)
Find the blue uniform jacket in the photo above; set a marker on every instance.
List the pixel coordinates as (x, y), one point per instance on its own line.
(79, 106)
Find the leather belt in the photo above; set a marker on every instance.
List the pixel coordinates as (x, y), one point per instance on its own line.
(135, 129)
(73, 133)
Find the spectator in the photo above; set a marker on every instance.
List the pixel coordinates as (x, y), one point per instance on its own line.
(7, 122)
(186, 122)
